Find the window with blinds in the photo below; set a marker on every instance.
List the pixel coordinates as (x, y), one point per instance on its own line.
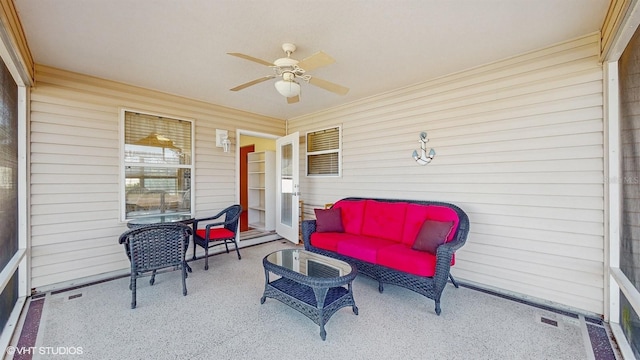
(157, 165)
(324, 152)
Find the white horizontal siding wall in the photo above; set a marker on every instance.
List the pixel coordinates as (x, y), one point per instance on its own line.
(519, 147)
(75, 168)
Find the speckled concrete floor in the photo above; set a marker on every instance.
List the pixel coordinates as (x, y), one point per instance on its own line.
(222, 318)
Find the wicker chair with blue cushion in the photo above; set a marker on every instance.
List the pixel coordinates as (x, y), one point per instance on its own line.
(208, 232)
(156, 247)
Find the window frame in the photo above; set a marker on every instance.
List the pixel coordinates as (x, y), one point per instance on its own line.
(122, 183)
(338, 151)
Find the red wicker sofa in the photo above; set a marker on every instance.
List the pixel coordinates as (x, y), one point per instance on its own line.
(402, 242)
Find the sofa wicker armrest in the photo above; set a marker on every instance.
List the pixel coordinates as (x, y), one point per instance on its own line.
(444, 254)
(308, 228)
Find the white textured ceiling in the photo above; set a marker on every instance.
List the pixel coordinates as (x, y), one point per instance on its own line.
(180, 46)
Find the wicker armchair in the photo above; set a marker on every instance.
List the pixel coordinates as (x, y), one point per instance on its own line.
(209, 234)
(154, 247)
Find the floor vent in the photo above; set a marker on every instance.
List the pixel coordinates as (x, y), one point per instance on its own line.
(71, 297)
(548, 321)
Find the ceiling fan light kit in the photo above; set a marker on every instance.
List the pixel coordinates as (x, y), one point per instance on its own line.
(288, 88)
(289, 69)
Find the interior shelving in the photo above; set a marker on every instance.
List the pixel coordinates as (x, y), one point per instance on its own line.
(261, 190)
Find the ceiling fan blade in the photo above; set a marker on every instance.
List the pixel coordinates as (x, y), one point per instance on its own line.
(293, 99)
(329, 86)
(251, 58)
(250, 83)
(315, 61)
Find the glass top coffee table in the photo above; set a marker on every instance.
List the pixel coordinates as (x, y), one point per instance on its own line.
(314, 284)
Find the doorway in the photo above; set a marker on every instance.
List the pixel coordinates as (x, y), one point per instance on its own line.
(253, 183)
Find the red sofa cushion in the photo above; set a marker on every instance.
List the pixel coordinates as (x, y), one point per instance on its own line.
(352, 215)
(401, 257)
(363, 247)
(329, 241)
(417, 214)
(384, 220)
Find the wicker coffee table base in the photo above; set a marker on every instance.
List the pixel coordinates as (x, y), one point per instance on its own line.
(316, 303)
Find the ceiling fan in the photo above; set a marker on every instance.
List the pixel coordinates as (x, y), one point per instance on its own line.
(290, 70)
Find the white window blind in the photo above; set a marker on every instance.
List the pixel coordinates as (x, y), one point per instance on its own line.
(323, 152)
(155, 139)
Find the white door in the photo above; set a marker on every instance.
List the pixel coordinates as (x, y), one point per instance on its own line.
(288, 186)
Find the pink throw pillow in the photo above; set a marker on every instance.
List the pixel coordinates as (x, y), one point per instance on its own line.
(431, 235)
(329, 220)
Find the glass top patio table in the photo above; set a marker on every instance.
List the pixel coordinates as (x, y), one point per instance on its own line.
(160, 218)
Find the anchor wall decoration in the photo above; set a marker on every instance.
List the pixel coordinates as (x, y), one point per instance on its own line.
(423, 158)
